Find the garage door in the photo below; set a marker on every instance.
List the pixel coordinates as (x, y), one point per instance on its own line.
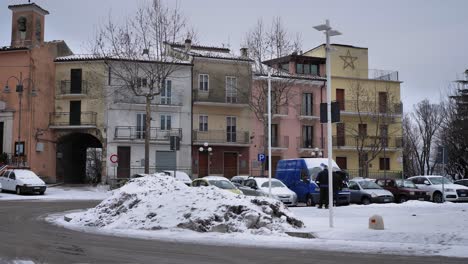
(166, 160)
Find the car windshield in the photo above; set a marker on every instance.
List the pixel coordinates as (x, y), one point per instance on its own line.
(438, 180)
(405, 184)
(223, 184)
(274, 184)
(369, 185)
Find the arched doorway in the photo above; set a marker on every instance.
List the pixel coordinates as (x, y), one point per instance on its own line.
(73, 156)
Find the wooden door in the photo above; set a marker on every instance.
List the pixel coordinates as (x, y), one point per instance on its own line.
(230, 164)
(342, 162)
(340, 134)
(340, 98)
(383, 106)
(202, 164)
(123, 156)
(1, 137)
(75, 113)
(75, 81)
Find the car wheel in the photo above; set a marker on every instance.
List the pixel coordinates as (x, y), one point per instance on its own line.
(365, 200)
(18, 190)
(310, 201)
(437, 197)
(402, 199)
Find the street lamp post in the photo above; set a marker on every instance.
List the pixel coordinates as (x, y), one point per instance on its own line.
(316, 153)
(19, 150)
(208, 149)
(327, 29)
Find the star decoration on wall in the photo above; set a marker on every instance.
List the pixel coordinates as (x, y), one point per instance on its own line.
(348, 60)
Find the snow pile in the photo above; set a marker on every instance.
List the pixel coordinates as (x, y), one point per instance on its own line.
(161, 202)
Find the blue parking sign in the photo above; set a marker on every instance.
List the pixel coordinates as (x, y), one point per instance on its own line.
(261, 157)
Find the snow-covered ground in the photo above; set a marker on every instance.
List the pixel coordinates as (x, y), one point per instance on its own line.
(63, 193)
(412, 228)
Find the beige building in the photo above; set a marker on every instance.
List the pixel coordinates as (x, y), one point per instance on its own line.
(367, 141)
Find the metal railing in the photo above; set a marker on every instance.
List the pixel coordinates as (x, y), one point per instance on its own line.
(130, 98)
(277, 142)
(139, 133)
(376, 74)
(222, 136)
(66, 87)
(307, 143)
(69, 119)
(309, 111)
(389, 174)
(367, 141)
(371, 107)
(211, 97)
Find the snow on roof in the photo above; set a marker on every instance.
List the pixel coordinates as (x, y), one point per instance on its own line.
(208, 52)
(155, 203)
(92, 57)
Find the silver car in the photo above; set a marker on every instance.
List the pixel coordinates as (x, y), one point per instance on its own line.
(255, 186)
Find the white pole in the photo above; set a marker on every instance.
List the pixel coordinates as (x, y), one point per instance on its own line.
(269, 135)
(329, 129)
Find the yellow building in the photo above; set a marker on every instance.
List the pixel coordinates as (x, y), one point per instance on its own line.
(367, 141)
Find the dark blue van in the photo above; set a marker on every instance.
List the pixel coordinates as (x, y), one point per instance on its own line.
(299, 175)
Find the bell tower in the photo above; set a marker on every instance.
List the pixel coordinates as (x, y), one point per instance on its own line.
(27, 27)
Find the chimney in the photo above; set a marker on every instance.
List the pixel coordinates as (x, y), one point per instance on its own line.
(243, 52)
(188, 44)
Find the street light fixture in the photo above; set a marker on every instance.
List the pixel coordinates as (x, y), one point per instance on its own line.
(209, 150)
(316, 152)
(327, 29)
(19, 149)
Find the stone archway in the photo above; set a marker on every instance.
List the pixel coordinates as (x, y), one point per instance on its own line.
(72, 156)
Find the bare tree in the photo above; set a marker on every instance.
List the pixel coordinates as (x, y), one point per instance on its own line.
(371, 141)
(137, 55)
(411, 140)
(266, 44)
(93, 165)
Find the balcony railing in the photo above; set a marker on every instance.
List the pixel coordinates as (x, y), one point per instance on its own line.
(307, 143)
(277, 142)
(371, 107)
(72, 119)
(130, 98)
(376, 74)
(212, 97)
(221, 137)
(66, 87)
(368, 142)
(138, 133)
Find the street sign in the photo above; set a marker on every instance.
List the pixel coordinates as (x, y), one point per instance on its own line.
(113, 158)
(261, 157)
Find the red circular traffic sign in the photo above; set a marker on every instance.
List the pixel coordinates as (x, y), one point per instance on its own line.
(113, 158)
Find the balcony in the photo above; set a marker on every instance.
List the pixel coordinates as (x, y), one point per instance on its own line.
(307, 144)
(278, 111)
(376, 74)
(138, 133)
(213, 99)
(277, 143)
(354, 107)
(66, 87)
(222, 137)
(308, 114)
(70, 120)
(128, 97)
(367, 142)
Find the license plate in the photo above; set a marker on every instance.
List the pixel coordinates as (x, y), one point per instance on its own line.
(463, 194)
(421, 199)
(37, 188)
(284, 200)
(386, 200)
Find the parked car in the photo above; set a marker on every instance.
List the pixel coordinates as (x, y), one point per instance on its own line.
(22, 181)
(239, 180)
(403, 190)
(259, 186)
(462, 182)
(180, 176)
(1, 190)
(366, 191)
(433, 185)
(218, 181)
(299, 175)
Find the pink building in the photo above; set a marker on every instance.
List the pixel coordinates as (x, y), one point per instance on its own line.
(296, 130)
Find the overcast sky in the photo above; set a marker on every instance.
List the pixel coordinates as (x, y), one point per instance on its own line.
(426, 41)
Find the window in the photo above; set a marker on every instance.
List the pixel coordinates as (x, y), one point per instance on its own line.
(274, 136)
(362, 128)
(353, 186)
(203, 82)
(231, 89)
(141, 126)
(384, 164)
(12, 176)
(166, 93)
(231, 129)
(307, 104)
(285, 66)
(384, 135)
(203, 123)
(141, 82)
(300, 68)
(307, 136)
(307, 68)
(166, 122)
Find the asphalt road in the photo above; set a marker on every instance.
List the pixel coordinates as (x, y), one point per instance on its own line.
(24, 235)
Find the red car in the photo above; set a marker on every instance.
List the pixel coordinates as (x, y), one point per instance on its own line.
(403, 190)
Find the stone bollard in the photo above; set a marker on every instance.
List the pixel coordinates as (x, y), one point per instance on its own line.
(376, 222)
